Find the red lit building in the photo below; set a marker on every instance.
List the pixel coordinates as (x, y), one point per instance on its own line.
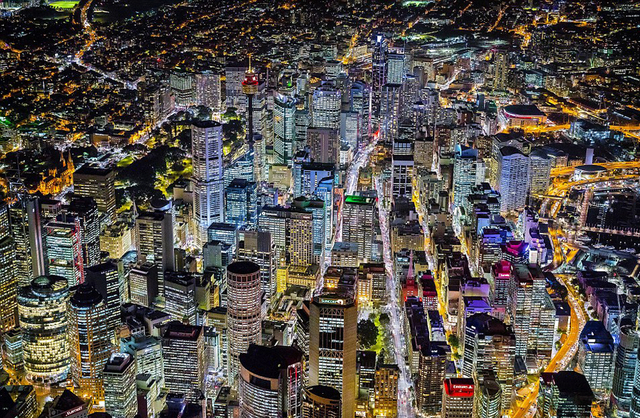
(457, 398)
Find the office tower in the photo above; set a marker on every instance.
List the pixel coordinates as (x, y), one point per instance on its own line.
(540, 171)
(321, 402)
(85, 210)
(42, 314)
(489, 345)
(488, 398)
(565, 394)
(357, 225)
(319, 215)
(457, 398)
(147, 354)
(143, 284)
(325, 107)
(402, 169)
(89, 340)
(284, 134)
(527, 312)
(378, 71)
(8, 284)
(108, 279)
(395, 68)
(183, 87)
(624, 370)
(67, 405)
(500, 69)
(323, 144)
(464, 176)
(292, 233)
(432, 366)
(120, 394)
(385, 401)
(595, 356)
(257, 247)
(209, 90)
(180, 296)
(154, 241)
(19, 401)
(184, 359)
(116, 240)
(344, 254)
(26, 231)
(313, 179)
(244, 322)
(234, 75)
(513, 178)
(270, 382)
(240, 203)
(98, 183)
(350, 128)
(63, 248)
(208, 173)
(13, 353)
(366, 362)
(333, 322)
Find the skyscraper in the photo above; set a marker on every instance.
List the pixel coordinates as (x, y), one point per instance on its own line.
(500, 69)
(63, 247)
(99, 183)
(143, 284)
(385, 401)
(208, 90)
(284, 109)
(257, 247)
(595, 357)
(270, 382)
(457, 398)
(402, 169)
(85, 210)
(108, 279)
(325, 107)
(378, 71)
(321, 402)
(42, 314)
(154, 241)
(89, 340)
(565, 394)
(180, 296)
(184, 359)
(513, 178)
(8, 284)
(26, 230)
(464, 176)
(324, 145)
(624, 370)
(120, 386)
(244, 322)
(147, 352)
(333, 344)
(292, 233)
(240, 203)
(208, 173)
(358, 215)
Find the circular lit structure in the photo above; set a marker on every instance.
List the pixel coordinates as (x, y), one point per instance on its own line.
(244, 323)
(523, 115)
(588, 172)
(42, 313)
(321, 402)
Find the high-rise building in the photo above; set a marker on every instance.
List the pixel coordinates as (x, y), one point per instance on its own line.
(98, 183)
(333, 344)
(184, 359)
(624, 370)
(490, 345)
(120, 394)
(358, 215)
(8, 284)
(324, 145)
(244, 322)
(500, 69)
(432, 366)
(108, 279)
(565, 394)
(154, 241)
(402, 169)
(488, 398)
(325, 107)
(183, 87)
(595, 357)
(26, 230)
(385, 398)
(540, 171)
(63, 247)
(292, 233)
(240, 203)
(180, 296)
(284, 133)
(209, 90)
(395, 68)
(321, 402)
(208, 173)
(85, 210)
(513, 178)
(464, 176)
(146, 350)
(89, 340)
(270, 382)
(143, 284)
(42, 314)
(257, 247)
(457, 397)
(379, 71)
